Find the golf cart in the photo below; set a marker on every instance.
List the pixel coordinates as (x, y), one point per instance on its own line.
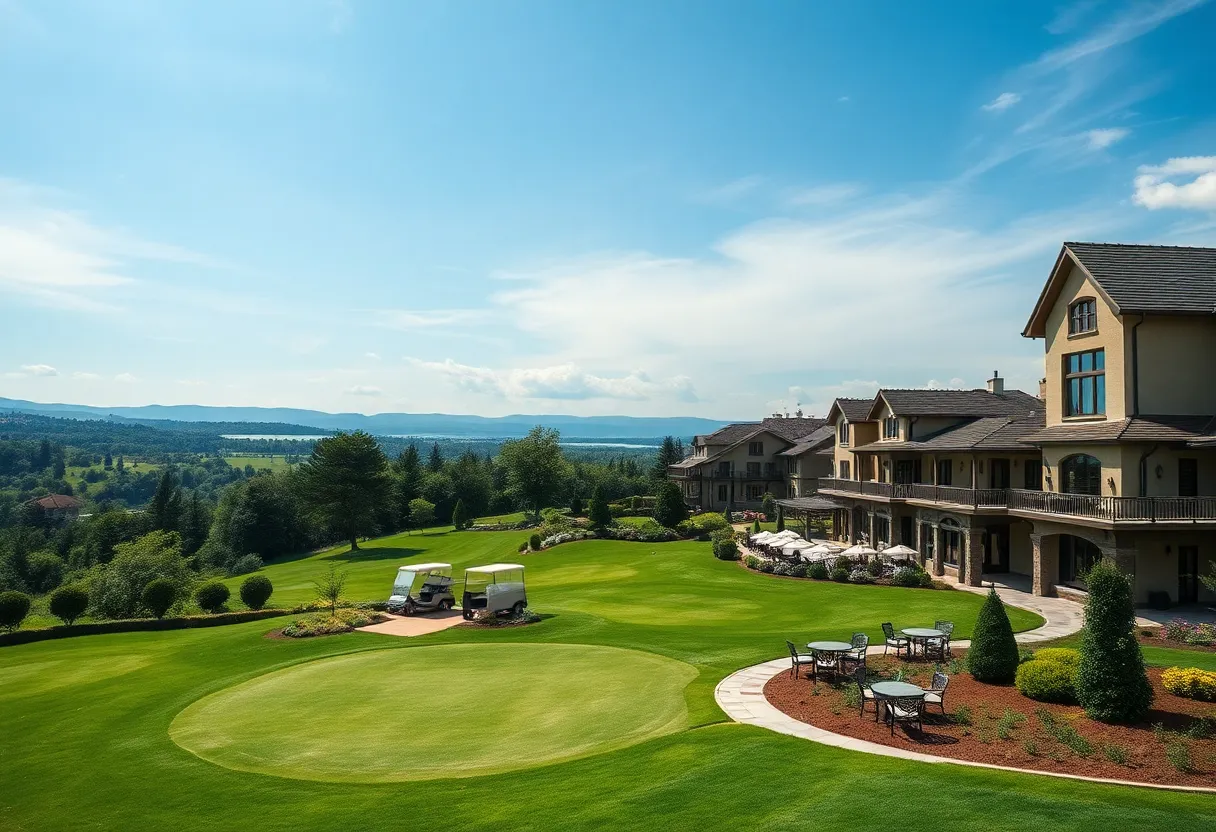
(422, 587)
(496, 588)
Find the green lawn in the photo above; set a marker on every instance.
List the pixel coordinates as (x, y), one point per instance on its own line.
(269, 462)
(74, 474)
(513, 517)
(86, 723)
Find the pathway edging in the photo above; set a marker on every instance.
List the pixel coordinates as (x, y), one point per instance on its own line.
(741, 696)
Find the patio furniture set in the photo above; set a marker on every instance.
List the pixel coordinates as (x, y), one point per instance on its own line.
(789, 546)
(896, 701)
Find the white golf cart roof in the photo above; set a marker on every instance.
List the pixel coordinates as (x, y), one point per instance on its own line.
(424, 567)
(495, 567)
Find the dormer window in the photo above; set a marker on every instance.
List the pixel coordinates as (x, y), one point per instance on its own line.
(890, 427)
(755, 449)
(842, 433)
(1083, 317)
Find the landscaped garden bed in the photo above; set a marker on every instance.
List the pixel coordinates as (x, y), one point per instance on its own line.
(998, 725)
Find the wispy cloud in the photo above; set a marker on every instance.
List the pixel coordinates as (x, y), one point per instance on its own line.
(1071, 16)
(731, 191)
(426, 318)
(1154, 188)
(40, 369)
(824, 194)
(1132, 22)
(563, 381)
(1002, 102)
(364, 390)
(1103, 138)
(126, 378)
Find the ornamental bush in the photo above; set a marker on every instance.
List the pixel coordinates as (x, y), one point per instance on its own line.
(534, 542)
(1111, 683)
(840, 576)
(1190, 682)
(212, 596)
(906, 576)
(69, 603)
(255, 591)
(669, 508)
(818, 571)
(724, 545)
(1045, 680)
(860, 575)
(993, 655)
(158, 596)
(14, 607)
(1060, 655)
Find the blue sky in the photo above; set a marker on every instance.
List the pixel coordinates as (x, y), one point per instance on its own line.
(701, 208)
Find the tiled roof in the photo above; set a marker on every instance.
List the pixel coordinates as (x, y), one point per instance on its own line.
(730, 434)
(989, 433)
(58, 501)
(826, 433)
(855, 410)
(793, 429)
(1133, 429)
(1164, 279)
(958, 402)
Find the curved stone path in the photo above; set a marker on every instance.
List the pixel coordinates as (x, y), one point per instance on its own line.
(741, 695)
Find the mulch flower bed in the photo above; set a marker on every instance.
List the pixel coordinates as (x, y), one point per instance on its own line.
(996, 724)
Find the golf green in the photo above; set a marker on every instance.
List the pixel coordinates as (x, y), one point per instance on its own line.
(458, 710)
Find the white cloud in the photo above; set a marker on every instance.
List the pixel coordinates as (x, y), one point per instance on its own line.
(125, 378)
(952, 384)
(1153, 188)
(844, 99)
(1070, 17)
(364, 390)
(563, 381)
(1002, 102)
(731, 191)
(1103, 138)
(824, 194)
(79, 376)
(817, 400)
(40, 369)
(426, 318)
(1132, 22)
(373, 356)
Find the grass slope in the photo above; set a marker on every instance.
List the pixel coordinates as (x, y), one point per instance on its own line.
(270, 462)
(85, 722)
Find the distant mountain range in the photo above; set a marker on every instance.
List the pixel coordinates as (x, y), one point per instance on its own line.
(386, 424)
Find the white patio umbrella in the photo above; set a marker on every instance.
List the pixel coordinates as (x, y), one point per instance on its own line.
(818, 552)
(796, 546)
(788, 535)
(859, 551)
(831, 547)
(899, 552)
(762, 537)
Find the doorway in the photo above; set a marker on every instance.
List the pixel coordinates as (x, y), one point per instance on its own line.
(996, 552)
(1188, 574)
(907, 531)
(998, 473)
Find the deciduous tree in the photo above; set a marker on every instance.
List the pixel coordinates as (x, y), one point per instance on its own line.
(536, 468)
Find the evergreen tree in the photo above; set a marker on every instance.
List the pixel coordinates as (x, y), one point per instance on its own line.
(345, 482)
(668, 455)
(193, 524)
(434, 463)
(43, 459)
(756, 527)
(109, 461)
(726, 515)
(576, 506)
(993, 655)
(460, 518)
(118, 466)
(407, 482)
(599, 513)
(780, 519)
(669, 508)
(1111, 682)
(768, 506)
(166, 507)
(59, 468)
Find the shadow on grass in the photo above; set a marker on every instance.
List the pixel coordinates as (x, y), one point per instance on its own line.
(378, 553)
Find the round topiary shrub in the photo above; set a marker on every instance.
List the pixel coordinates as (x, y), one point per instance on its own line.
(906, 576)
(212, 596)
(1111, 683)
(255, 591)
(993, 655)
(158, 596)
(1047, 681)
(1062, 655)
(799, 570)
(534, 542)
(69, 603)
(14, 607)
(818, 571)
(1190, 682)
(840, 576)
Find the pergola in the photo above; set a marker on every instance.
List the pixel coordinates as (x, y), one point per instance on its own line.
(809, 508)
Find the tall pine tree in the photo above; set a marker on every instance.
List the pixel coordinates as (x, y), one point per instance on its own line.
(345, 483)
(166, 507)
(434, 462)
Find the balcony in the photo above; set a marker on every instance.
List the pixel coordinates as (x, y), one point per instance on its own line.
(1129, 510)
(862, 488)
(924, 492)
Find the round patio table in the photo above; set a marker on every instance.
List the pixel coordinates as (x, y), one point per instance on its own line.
(892, 690)
(832, 648)
(920, 635)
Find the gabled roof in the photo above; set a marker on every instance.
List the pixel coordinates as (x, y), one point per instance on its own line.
(1183, 429)
(792, 429)
(960, 403)
(1167, 280)
(853, 410)
(989, 433)
(824, 435)
(728, 435)
(58, 501)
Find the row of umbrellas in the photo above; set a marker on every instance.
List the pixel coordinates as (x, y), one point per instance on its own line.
(791, 544)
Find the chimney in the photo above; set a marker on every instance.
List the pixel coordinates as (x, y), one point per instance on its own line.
(996, 384)
(1042, 389)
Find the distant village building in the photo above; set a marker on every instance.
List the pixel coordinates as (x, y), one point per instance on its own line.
(58, 508)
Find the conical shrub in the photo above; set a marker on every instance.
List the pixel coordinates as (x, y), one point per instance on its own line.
(993, 654)
(1111, 683)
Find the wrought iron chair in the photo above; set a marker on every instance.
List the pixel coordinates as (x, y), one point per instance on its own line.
(905, 709)
(892, 640)
(797, 660)
(857, 653)
(935, 694)
(867, 695)
(941, 646)
(825, 661)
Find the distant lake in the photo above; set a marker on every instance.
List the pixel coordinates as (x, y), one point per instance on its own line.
(606, 445)
(303, 437)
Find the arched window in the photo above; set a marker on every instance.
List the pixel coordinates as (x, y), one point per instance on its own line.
(1083, 316)
(1081, 474)
(1077, 557)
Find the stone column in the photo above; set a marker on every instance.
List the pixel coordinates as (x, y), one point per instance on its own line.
(1046, 564)
(939, 556)
(870, 530)
(973, 558)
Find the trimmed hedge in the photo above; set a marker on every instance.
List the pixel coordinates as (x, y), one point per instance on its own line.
(993, 655)
(69, 602)
(256, 591)
(1112, 685)
(1190, 682)
(212, 596)
(137, 625)
(1045, 680)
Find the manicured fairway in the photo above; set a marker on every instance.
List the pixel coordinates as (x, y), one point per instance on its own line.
(85, 723)
(459, 710)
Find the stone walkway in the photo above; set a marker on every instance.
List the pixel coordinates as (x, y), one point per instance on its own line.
(741, 694)
(415, 625)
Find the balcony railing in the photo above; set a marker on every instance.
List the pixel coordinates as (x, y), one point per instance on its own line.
(866, 487)
(769, 474)
(1116, 509)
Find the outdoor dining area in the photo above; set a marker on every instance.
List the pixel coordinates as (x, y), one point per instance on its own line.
(789, 546)
(894, 700)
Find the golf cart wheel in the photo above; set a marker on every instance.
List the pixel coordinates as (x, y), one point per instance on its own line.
(518, 609)
(468, 615)
(445, 605)
(410, 608)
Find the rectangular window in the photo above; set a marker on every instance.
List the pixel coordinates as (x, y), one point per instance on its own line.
(945, 472)
(1188, 478)
(926, 541)
(755, 491)
(842, 433)
(1033, 473)
(1083, 316)
(890, 428)
(753, 469)
(755, 449)
(721, 493)
(844, 469)
(723, 469)
(1085, 383)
